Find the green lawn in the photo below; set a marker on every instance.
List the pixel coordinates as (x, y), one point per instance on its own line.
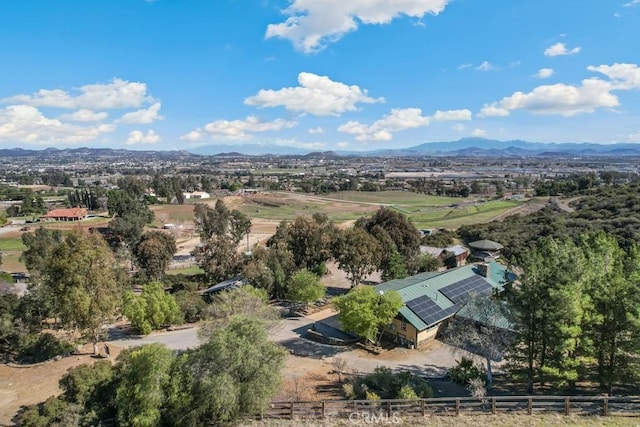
(404, 198)
(11, 244)
(188, 271)
(461, 215)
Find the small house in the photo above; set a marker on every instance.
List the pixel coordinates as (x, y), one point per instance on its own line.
(71, 214)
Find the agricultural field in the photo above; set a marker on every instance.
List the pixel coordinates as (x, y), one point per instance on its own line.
(267, 209)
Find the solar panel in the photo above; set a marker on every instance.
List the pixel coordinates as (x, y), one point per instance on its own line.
(458, 292)
(428, 311)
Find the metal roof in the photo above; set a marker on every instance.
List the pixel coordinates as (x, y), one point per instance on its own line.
(430, 285)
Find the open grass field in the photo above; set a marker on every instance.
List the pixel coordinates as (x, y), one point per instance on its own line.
(268, 209)
(187, 271)
(460, 215)
(11, 243)
(403, 198)
(173, 214)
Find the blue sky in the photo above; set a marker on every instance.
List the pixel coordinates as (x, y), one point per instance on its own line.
(316, 74)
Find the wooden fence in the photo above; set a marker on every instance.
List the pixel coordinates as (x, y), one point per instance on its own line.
(395, 409)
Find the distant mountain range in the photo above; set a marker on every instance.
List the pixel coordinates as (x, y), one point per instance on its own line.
(467, 147)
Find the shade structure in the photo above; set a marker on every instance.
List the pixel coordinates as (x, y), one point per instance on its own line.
(486, 245)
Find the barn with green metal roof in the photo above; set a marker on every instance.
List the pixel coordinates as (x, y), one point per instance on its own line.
(433, 297)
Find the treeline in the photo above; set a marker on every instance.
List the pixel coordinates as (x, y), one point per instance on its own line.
(574, 314)
(386, 242)
(614, 210)
(235, 372)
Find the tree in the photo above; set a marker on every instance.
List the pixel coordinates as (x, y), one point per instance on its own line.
(309, 240)
(130, 214)
(39, 247)
(547, 308)
(220, 221)
(422, 263)
(613, 326)
(483, 332)
(305, 287)
(236, 372)
(365, 313)
(153, 309)
(83, 278)
(357, 253)
(154, 253)
(219, 258)
(270, 269)
(402, 232)
(395, 268)
(243, 303)
(143, 377)
(93, 388)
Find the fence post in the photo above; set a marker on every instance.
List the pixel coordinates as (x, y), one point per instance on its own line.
(324, 415)
(388, 409)
(567, 408)
(605, 406)
(457, 407)
(423, 408)
(529, 405)
(493, 406)
(291, 411)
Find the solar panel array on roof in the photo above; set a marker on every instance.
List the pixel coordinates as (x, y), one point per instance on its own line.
(458, 291)
(428, 311)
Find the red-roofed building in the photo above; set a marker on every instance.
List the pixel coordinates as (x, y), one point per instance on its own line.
(71, 214)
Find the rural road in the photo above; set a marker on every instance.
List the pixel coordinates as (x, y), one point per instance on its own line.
(433, 361)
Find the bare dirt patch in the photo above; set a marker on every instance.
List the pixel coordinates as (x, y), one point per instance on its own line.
(31, 384)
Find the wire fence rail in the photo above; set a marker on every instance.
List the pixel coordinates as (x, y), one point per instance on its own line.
(396, 409)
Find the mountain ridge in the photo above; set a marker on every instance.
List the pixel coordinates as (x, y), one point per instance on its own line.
(468, 147)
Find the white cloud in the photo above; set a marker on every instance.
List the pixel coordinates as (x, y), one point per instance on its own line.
(85, 115)
(568, 100)
(318, 130)
(544, 73)
(299, 144)
(317, 95)
(623, 76)
(478, 132)
(238, 130)
(342, 144)
(398, 120)
(116, 94)
(459, 127)
(493, 110)
(464, 66)
(143, 116)
(194, 135)
(25, 123)
(485, 66)
(631, 3)
(452, 115)
(313, 24)
(560, 49)
(564, 99)
(138, 137)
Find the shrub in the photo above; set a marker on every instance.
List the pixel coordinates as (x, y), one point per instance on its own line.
(349, 391)
(388, 385)
(41, 347)
(464, 371)
(406, 392)
(191, 305)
